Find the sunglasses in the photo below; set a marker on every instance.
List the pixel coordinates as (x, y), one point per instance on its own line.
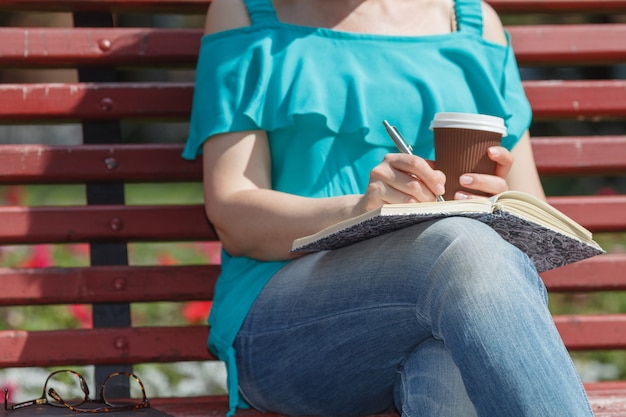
(61, 387)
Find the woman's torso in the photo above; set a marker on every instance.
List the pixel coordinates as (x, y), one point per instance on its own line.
(321, 94)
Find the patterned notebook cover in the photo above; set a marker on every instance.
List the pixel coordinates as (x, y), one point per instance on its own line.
(545, 247)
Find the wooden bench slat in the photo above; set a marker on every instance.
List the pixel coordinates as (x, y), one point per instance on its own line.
(154, 6)
(136, 47)
(25, 164)
(606, 398)
(592, 332)
(142, 344)
(60, 47)
(590, 99)
(107, 284)
(596, 213)
(601, 273)
(103, 346)
(557, 6)
(101, 101)
(21, 164)
(43, 286)
(208, 406)
(200, 6)
(580, 155)
(594, 100)
(70, 224)
(569, 44)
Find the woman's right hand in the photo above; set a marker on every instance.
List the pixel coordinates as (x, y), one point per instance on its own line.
(402, 178)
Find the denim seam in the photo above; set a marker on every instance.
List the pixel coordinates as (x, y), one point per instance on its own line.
(317, 319)
(251, 403)
(405, 410)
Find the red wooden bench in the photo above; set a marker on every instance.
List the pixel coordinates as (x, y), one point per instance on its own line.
(100, 102)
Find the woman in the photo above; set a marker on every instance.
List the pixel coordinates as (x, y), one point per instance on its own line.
(439, 319)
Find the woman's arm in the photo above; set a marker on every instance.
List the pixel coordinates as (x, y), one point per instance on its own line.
(523, 175)
(226, 14)
(250, 218)
(492, 26)
(253, 220)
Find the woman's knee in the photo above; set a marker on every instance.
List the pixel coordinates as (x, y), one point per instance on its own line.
(468, 240)
(470, 258)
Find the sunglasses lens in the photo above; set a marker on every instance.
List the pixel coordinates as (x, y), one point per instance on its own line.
(116, 388)
(68, 386)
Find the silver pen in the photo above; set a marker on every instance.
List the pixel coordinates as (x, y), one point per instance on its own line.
(401, 143)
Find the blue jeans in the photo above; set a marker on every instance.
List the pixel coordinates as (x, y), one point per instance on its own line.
(439, 319)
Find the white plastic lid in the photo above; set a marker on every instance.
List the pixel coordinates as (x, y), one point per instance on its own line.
(469, 121)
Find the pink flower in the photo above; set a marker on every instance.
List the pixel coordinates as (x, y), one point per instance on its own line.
(14, 195)
(41, 257)
(197, 311)
(165, 259)
(79, 249)
(213, 251)
(12, 389)
(606, 190)
(82, 314)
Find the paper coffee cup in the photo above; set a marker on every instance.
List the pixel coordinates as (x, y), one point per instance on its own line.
(461, 143)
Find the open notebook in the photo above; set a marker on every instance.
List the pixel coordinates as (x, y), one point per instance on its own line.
(547, 236)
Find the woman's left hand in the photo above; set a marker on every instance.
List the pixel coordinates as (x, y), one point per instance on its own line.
(489, 184)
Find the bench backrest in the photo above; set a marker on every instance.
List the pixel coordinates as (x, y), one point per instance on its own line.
(110, 92)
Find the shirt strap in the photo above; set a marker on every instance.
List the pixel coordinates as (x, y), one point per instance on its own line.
(469, 16)
(261, 11)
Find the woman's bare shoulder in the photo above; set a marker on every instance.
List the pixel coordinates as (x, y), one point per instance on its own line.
(492, 26)
(225, 15)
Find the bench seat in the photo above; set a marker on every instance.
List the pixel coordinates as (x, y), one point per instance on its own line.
(108, 87)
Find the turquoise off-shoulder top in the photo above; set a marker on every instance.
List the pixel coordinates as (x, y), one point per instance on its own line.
(322, 95)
